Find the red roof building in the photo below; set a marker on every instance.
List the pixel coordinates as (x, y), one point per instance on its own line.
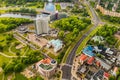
(81, 55)
(90, 61)
(98, 63)
(83, 58)
(46, 61)
(106, 75)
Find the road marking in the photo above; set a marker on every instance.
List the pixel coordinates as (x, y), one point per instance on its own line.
(68, 65)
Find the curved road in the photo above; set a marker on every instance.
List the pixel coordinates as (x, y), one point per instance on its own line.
(66, 69)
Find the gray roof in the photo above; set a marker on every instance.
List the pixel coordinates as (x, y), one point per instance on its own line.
(103, 64)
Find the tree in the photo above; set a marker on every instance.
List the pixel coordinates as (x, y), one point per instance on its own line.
(3, 65)
(18, 53)
(75, 31)
(1, 48)
(18, 67)
(9, 68)
(61, 34)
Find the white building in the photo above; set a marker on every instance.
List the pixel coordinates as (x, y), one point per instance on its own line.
(42, 24)
(57, 44)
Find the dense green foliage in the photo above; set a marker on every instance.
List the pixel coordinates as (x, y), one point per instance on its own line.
(24, 10)
(111, 19)
(32, 57)
(68, 24)
(7, 24)
(108, 33)
(80, 10)
(23, 2)
(92, 3)
(17, 65)
(19, 2)
(70, 28)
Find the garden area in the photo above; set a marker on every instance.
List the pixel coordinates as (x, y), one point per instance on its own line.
(14, 56)
(69, 29)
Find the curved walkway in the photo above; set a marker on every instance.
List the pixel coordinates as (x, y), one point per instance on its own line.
(10, 49)
(3, 54)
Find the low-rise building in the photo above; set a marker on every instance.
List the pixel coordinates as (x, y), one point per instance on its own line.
(98, 75)
(89, 51)
(46, 67)
(105, 65)
(57, 44)
(83, 58)
(99, 39)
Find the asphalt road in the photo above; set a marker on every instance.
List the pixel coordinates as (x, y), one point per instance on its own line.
(67, 69)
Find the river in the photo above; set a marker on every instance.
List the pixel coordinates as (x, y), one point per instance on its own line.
(50, 7)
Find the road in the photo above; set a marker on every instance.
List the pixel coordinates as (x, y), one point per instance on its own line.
(67, 69)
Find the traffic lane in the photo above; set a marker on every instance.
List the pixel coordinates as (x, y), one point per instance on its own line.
(72, 54)
(66, 72)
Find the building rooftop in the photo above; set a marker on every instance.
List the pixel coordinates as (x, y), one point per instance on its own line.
(98, 39)
(83, 57)
(57, 44)
(89, 51)
(98, 75)
(106, 75)
(46, 61)
(47, 64)
(90, 61)
(103, 63)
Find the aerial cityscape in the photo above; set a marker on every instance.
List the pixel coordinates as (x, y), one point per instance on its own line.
(60, 40)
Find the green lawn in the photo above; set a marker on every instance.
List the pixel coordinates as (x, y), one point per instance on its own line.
(51, 55)
(1, 76)
(4, 60)
(19, 76)
(119, 78)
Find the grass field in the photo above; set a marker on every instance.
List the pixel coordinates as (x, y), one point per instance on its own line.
(19, 76)
(1, 76)
(4, 60)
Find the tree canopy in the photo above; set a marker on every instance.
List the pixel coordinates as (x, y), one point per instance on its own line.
(7, 24)
(108, 33)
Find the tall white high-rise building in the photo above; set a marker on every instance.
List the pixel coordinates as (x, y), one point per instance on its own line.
(42, 25)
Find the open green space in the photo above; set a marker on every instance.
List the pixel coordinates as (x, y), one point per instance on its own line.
(4, 59)
(5, 42)
(7, 24)
(19, 76)
(1, 76)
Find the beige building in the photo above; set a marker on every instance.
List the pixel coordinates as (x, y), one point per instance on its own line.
(42, 25)
(46, 67)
